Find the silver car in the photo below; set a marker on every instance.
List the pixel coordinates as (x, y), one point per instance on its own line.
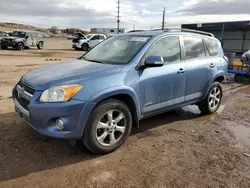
(23, 39)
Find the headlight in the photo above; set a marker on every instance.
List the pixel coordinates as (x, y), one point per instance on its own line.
(60, 93)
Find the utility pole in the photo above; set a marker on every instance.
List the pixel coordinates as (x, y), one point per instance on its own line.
(118, 17)
(134, 26)
(163, 19)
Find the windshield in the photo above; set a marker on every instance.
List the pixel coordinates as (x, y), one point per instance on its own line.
(117, 50)
(18, 34)
(88, 36)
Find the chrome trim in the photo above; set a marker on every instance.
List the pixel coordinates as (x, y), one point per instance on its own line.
(24, 94)
(23, 110)
(27, 84)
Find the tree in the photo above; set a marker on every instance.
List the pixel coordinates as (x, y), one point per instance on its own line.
(53, 29)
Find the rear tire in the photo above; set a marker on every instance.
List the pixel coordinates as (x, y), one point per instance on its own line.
(85, 47)
(40, 45)
(239, 78)
(213, 99)
(107, 127)
(20, 46)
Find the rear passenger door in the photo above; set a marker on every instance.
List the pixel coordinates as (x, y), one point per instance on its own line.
(101, 38)
(198, 70)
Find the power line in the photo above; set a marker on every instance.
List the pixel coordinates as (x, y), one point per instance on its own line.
(163, 18)
(118, 17)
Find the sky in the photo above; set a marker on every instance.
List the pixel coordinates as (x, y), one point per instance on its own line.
(141, 14)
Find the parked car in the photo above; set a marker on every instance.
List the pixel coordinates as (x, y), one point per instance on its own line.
(97, 97)
(23, 39)
(87, 42)
(3, 34)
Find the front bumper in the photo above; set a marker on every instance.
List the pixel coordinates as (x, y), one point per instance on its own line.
(8, 43)
(76, 45)
(42, 116)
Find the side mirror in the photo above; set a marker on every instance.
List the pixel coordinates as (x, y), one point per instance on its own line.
(154, 61)
(26, 37)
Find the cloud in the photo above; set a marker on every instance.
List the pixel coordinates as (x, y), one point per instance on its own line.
(100, 13)
(215, 7)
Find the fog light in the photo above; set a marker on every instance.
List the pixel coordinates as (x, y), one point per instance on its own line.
(59, 124)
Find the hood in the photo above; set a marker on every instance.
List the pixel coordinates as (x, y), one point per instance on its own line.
(14, 38)
(79, 39)
(67, 72)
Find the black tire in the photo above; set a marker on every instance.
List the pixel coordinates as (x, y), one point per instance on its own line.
(85, 47)
(4, 47)
(20, 46)
(89, 138)
(40, 45)
(204, 106)
(239, 78)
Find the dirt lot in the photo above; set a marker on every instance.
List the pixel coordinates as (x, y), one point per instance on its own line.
(176, 149)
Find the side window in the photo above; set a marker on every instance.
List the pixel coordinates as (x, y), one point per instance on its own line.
(96, 37)
(194, 47)
(212, 46)
(101, 37)
(168, 48)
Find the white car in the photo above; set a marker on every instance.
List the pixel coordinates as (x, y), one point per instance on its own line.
(87, 42)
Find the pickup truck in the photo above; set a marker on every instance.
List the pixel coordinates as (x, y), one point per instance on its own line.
(88, 42)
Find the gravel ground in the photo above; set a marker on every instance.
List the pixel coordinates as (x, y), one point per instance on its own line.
(175, 149)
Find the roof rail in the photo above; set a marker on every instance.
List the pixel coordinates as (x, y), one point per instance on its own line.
(187, 30)
(135, 31)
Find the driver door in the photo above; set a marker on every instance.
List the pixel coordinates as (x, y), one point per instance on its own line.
(29, 40)
(163, 87)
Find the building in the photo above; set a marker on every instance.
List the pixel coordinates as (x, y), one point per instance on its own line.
(107, 31)
(234, 36)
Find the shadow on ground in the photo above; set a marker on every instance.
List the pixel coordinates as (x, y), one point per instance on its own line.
(23, 151)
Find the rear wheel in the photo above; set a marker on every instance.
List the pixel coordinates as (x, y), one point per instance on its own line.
(239, 78)
(85, 47)
(213, 99)
(107, 127)
(20, 46)
(40, 45)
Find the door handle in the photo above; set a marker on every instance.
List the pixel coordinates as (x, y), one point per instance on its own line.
(211, 65)
(181, 71)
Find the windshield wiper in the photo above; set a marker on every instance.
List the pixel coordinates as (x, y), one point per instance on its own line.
(93, 60)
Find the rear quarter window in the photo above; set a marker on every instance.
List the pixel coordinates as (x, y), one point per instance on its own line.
(212, 46)
(194, 47)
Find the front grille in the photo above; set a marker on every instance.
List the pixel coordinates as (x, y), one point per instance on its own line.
(27, 87)
(23, 101)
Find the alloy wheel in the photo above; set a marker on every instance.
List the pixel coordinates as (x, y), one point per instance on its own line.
(214, 98)
(111, 128)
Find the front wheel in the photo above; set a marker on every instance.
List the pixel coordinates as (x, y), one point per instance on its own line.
(107, 127)
(213, 99)
(85, 47)
(20, 46)
(4, 47)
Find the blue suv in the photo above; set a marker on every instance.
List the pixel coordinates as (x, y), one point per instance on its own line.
(97, 97)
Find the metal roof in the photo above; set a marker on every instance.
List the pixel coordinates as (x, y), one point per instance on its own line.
(217, 26)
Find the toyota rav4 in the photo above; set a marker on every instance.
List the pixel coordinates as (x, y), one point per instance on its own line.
(99, 96)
